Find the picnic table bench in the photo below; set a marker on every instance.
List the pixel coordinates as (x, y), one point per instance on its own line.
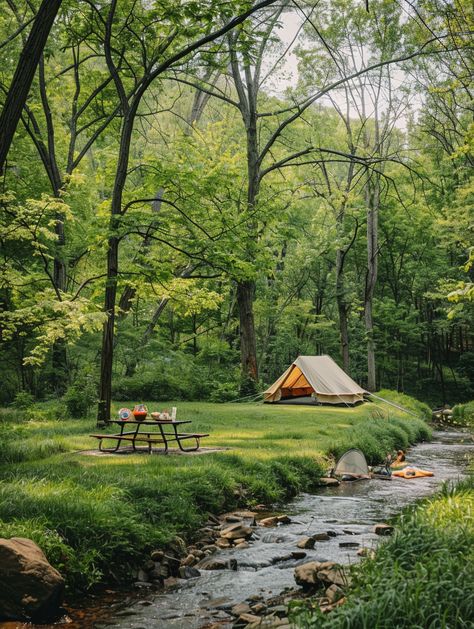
(167, 432)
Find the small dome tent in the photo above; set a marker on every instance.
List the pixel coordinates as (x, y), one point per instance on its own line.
(317, 376)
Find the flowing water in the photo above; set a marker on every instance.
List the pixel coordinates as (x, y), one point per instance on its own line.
(350, 511)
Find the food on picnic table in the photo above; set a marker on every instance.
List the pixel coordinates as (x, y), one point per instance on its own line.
(140, 412)
(163, 416)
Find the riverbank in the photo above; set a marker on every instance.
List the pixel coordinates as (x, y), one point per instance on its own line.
(98, 518)
(421, 577)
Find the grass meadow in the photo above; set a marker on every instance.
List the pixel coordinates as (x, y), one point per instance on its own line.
(97, 517)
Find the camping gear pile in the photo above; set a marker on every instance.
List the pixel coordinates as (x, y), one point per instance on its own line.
(352, 466)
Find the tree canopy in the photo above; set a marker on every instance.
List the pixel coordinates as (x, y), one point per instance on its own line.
(198, 191)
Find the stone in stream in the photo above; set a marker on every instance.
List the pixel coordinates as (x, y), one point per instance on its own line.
(306, 542)
(366, 552)
(188, 572)
(328, 482)
(349, 544)
(331, 533)
(239, 609)
(259, 608)
(30, 588)
(298, 554)
(189, 560)
(222, 542)
(249, 618)
(232, 518)
(348, 532)
(211, 563)
(242, 545)
(383, 529)
(306, 575)
(236, 531)
(143, 584)
(275, 520)
(321, 537)
(335, 574)
(334, 593)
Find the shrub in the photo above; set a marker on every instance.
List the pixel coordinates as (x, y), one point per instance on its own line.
(224, 392)
(23, 400)
(81, 395)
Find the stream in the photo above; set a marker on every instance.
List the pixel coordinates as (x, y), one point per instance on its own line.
(349, 512)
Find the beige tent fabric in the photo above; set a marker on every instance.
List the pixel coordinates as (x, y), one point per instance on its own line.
(319, 375)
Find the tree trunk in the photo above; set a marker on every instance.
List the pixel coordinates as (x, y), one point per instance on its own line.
(342, 309)
(248, 353)
(372, 199)
(24, 73)
(107, 353)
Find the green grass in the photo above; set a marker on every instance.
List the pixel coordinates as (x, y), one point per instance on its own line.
(96, 517)
(463, 414)
(421, 578)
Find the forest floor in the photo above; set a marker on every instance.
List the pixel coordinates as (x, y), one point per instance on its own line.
(97, 517)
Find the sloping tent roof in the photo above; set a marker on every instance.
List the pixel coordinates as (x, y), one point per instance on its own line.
(319, 375)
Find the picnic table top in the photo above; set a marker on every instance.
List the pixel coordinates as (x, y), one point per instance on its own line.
(149, 422)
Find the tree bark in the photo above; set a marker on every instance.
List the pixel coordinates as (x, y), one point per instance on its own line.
(107, 353)
(248, 354)
(24, 74)
(343, 311)
(372, 199)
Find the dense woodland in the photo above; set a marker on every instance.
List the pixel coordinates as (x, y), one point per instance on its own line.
(175, 224)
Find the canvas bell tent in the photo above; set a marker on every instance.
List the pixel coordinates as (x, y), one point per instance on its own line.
(318, 377)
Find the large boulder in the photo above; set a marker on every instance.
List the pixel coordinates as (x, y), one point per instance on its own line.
(30, 588)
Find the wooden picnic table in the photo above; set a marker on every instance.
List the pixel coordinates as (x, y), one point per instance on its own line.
(167, 432)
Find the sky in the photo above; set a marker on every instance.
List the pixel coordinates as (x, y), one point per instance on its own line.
(286, 74)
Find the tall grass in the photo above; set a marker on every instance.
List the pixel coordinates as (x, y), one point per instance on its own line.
(464, 414)
(421, 578)
(377, 437)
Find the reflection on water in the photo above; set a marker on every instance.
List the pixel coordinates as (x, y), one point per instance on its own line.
(348, 511)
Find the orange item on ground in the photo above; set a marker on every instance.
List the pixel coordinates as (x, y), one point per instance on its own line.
(411, 472)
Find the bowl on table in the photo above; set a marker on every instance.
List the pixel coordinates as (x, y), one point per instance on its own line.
(162, 417)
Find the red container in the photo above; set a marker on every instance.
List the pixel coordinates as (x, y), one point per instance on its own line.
(140, 412)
